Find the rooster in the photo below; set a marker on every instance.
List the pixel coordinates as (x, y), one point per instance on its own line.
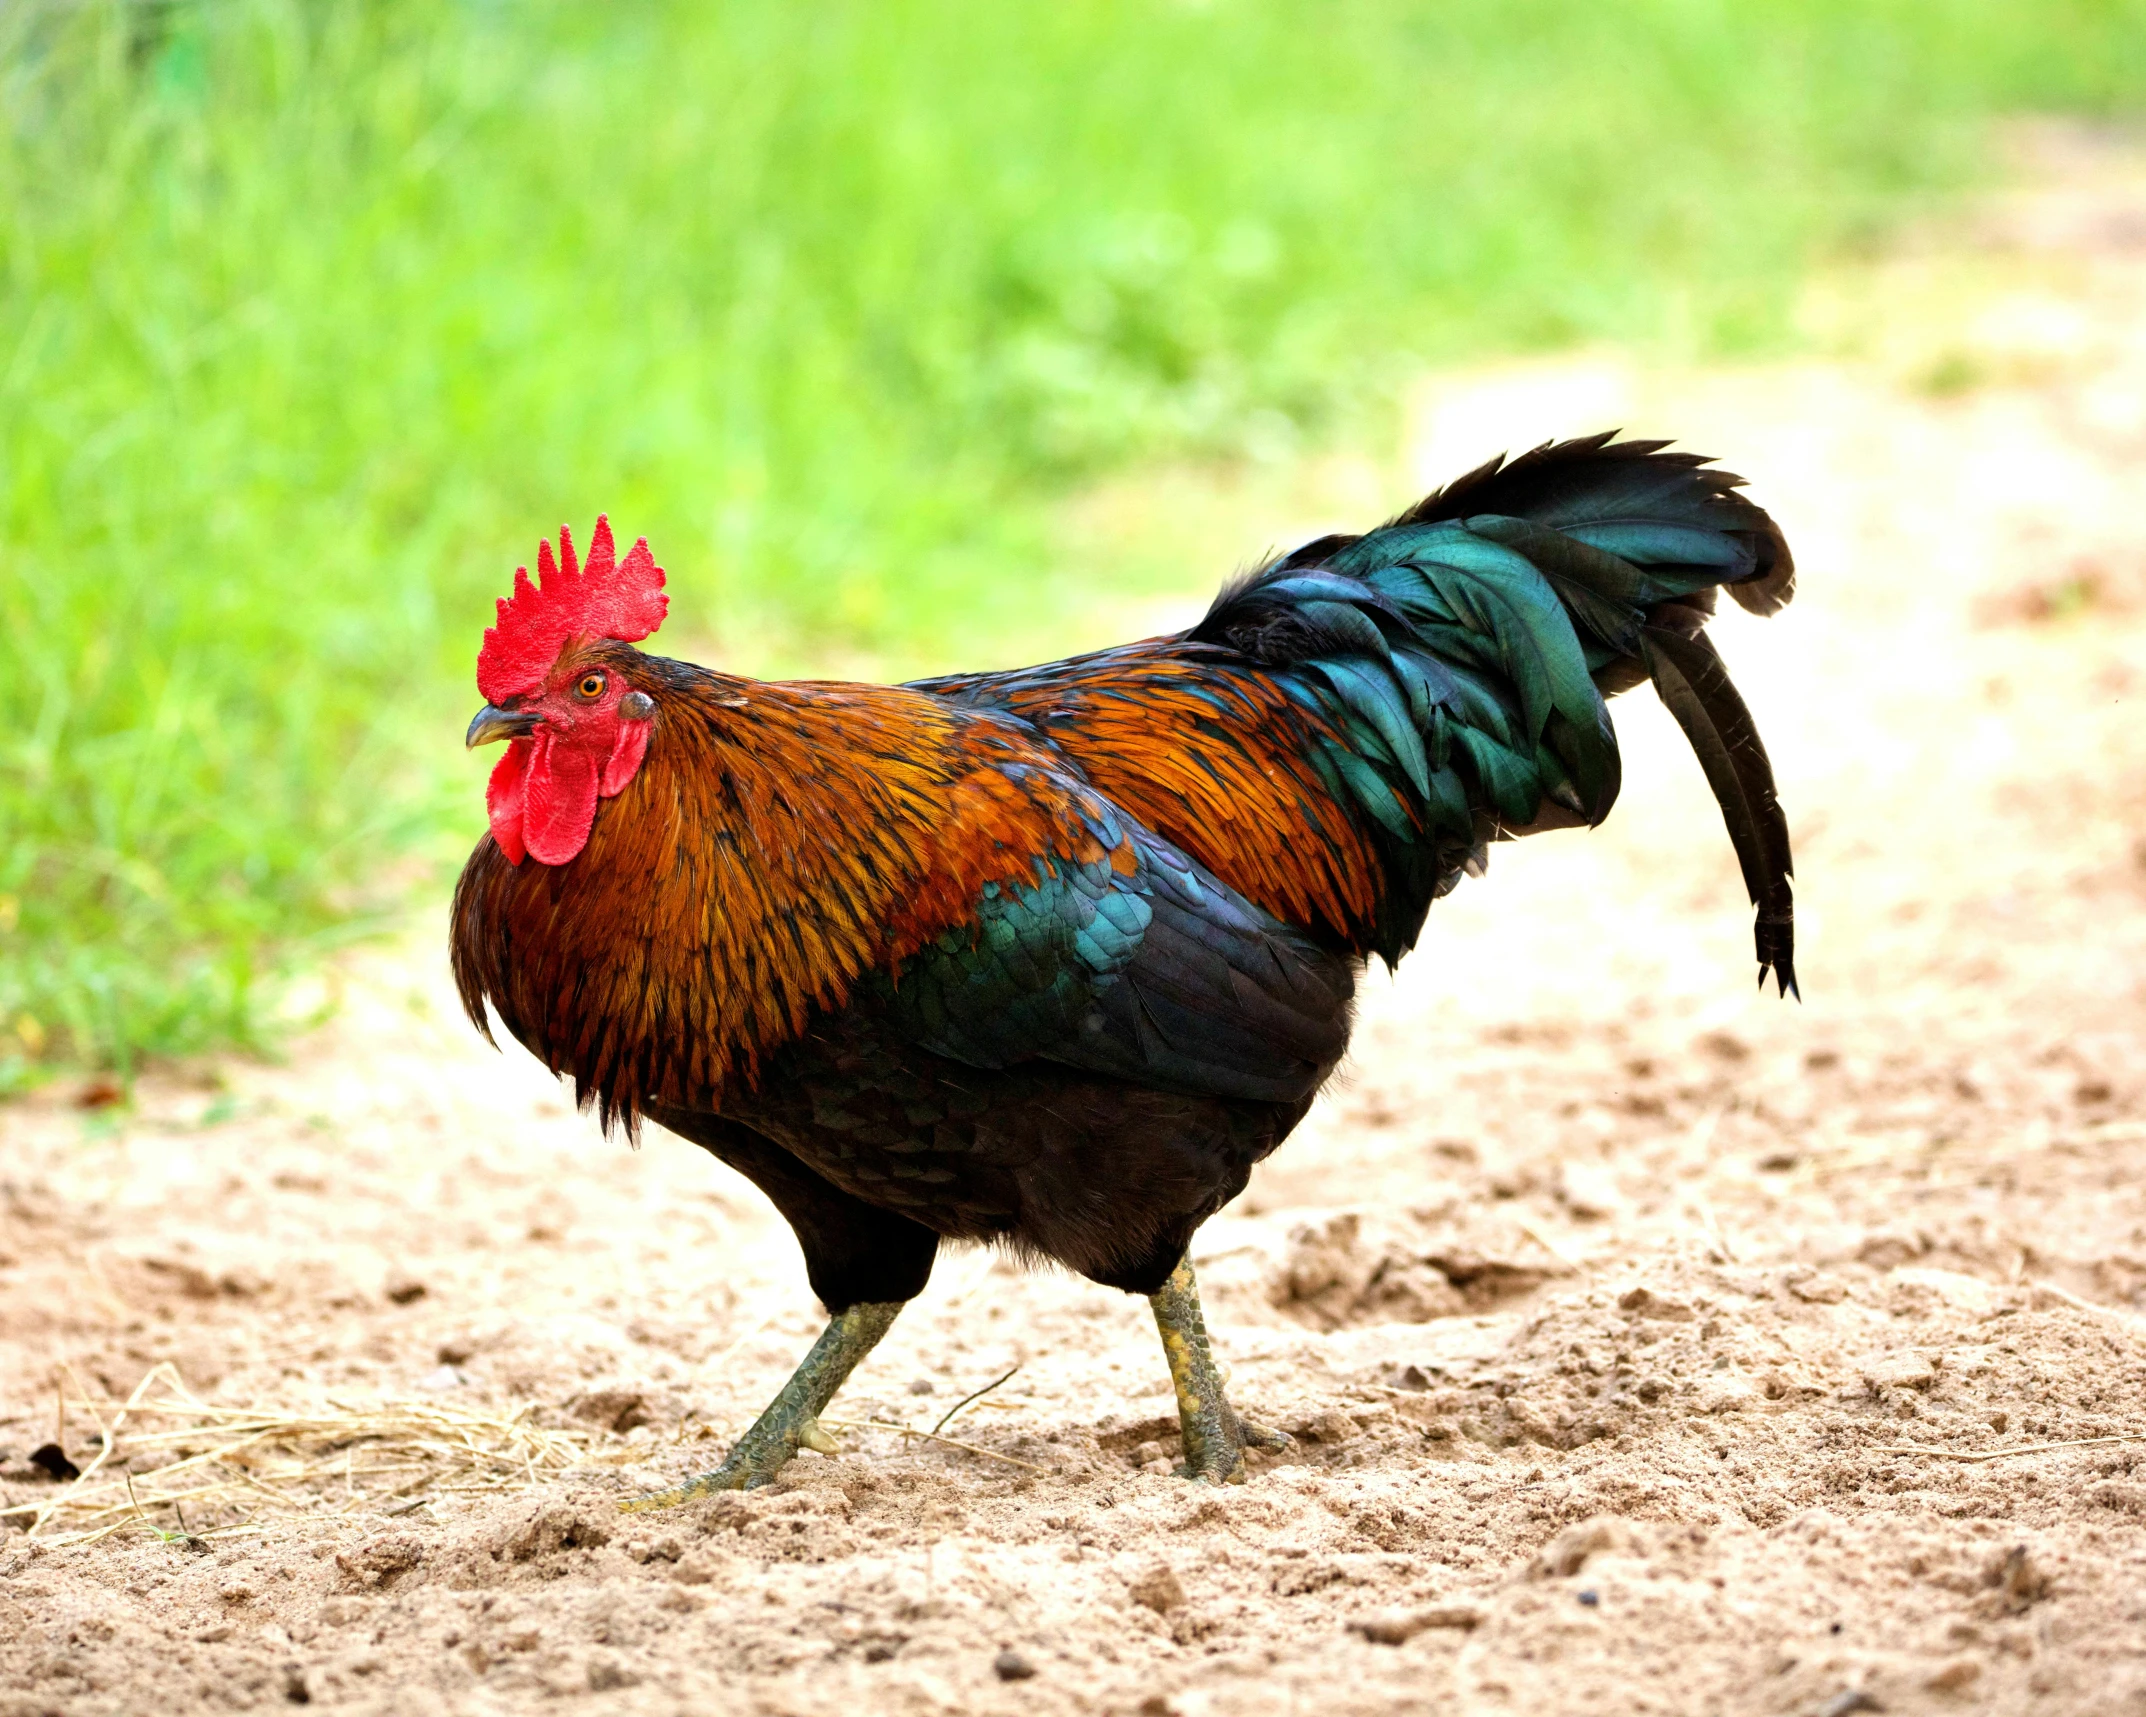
(1049, 959)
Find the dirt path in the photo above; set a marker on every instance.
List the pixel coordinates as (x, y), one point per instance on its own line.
(1641, 1337)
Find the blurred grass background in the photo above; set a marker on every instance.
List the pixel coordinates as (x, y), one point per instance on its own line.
(314, 315)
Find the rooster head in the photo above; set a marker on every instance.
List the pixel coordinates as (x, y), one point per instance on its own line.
(553, 686)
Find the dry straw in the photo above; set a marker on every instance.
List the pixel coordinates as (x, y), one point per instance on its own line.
(165, 1453)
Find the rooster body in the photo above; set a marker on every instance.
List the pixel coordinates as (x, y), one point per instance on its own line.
(1051, 958)
(876, 950)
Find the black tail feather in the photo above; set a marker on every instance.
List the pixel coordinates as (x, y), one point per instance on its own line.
(1693, 683)
(1563, 485)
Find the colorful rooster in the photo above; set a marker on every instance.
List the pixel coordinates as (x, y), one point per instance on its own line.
(1049, 959)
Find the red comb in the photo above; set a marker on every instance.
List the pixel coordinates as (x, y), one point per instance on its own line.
(611, 598)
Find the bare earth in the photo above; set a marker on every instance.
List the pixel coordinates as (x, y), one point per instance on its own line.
(1641, 1337)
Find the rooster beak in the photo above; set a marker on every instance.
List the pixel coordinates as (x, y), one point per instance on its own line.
(492, 722)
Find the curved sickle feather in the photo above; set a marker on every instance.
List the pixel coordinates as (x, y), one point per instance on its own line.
(1691, 679)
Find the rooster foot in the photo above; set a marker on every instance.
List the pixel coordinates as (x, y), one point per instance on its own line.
(1221, 1460)
(1215, 1436)
(792, 1419)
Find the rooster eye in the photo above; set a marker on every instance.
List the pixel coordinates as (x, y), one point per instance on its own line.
(592, 686)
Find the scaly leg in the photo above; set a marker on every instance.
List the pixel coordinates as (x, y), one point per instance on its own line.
(1215, 1437)
(792, 1419)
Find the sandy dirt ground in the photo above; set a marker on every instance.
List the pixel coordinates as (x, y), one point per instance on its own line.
(1649, 1346)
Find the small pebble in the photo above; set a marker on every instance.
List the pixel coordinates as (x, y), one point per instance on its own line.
(920, 1386)
(1590, 1597)
(1159, 1589)
(1010, 1665)
(51, 1460)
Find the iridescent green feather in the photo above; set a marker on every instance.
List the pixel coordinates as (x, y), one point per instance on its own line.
(1463, 653)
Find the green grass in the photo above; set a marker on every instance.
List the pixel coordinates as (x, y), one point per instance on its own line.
(313, 315)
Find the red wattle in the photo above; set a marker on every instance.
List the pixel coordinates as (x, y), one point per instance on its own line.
(542, 795)
(558, 800)
(503, 798)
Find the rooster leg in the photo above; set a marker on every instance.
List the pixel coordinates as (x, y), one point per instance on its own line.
(1215, 1437)
(792, 1419)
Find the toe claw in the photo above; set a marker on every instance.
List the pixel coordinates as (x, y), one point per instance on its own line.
(747, 1467)
(685, 1493)
(810, 1436)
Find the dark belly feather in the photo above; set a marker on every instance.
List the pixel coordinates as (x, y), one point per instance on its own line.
(1106, 1177)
